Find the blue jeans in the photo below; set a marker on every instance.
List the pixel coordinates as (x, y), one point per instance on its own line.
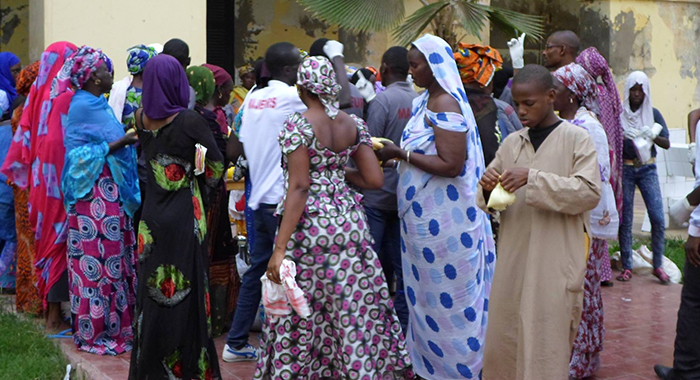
(251, 288)
(647, 180)
(384, 226)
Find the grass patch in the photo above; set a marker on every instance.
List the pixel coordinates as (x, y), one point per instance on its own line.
(26, 353)
(675, 248)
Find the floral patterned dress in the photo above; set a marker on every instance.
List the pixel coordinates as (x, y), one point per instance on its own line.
(173, 313)
(353, 331)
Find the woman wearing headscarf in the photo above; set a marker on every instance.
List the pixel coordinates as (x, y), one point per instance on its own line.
(223, 276)
(101, 194)
(125, 96)
(477, 65)
(609, 111)
(577, 101)
(352, 330)
(644, 128)
(10, 68)
(173, 322)
(222, 95)
(446, 239)
(27, 298)
(8, 233)
(247, 75)
(37, 149)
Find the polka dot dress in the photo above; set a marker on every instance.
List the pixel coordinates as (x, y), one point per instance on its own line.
(353, 332)
(447, 246)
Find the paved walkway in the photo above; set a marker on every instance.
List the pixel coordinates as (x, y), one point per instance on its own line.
(640, 318)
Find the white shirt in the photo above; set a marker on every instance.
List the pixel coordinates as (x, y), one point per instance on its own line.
(4, 102)
(263, 119)
(694, 225)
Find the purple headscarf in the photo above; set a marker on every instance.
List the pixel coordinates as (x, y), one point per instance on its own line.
(609, 113)
(166, 90)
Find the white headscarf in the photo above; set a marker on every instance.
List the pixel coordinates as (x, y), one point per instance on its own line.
(644, 116)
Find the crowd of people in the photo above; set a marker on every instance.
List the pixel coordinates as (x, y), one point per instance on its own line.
(393, 233)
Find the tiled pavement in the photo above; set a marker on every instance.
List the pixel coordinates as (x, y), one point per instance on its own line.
(640, 317)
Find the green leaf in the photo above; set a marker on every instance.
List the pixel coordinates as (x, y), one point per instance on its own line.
(510, 21)
(472, 16)
(414, 25)
(358, 15)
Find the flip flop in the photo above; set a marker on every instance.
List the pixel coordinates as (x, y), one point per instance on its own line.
(625, 276)
(65, 334)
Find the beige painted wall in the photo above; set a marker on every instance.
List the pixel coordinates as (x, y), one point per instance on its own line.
(115, 26)
(14, 28)
(664, 45)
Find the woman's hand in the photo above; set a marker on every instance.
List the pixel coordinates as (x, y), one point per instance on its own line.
(273, 266)
(513, 179)
(389, 151)
(489, 180)
(131, 137)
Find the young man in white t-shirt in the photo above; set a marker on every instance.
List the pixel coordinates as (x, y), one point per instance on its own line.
(264, 117)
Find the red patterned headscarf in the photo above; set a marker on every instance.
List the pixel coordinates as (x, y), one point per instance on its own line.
(582, 84)
(26, 78)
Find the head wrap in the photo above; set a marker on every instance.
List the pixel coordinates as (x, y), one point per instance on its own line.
(644, 116)
(157, 47)
(165, 88)
(138, 57)
(576, 78)
(477, 63)
(26, 78)
(221, 76)
(375, 72)
(77, 69)
(245, 69)
(202, 81)
(610, 110)
(7, 80)
(316, 74)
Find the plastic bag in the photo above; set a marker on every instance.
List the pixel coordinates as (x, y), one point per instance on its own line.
(500, 198)
(605, 220)
(199, 159)
(667, 265)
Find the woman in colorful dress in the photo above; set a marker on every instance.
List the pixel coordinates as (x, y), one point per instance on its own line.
(577, 100)
(8, 233)
(353, 331)
(27, 298)
(37, 148)
(224, 281)
(173, 326)
(101, 194)
(609, 111)
(446, 240)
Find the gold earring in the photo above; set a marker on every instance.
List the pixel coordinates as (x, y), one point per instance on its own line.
(571, 100)
(97, 82)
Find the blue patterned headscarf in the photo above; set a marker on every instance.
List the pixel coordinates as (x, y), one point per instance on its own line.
(138, 57)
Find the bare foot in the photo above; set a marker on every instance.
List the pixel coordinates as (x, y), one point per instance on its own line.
(54, 322)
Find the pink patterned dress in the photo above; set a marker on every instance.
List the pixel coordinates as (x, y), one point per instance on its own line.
(353, 331)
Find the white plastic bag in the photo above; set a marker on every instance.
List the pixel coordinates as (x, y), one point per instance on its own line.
(605, 220)
(667, 265)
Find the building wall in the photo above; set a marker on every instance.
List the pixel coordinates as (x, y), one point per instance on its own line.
(115, 26)
(14, 28)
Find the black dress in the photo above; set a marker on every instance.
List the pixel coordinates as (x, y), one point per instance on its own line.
(173, 314)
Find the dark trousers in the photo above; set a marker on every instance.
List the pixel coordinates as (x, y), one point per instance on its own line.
(251, 288)
(686, 356)
(384, 226)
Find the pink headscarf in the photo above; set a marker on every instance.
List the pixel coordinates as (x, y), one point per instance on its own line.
(609, 113)
(221, 76)
(576, 79)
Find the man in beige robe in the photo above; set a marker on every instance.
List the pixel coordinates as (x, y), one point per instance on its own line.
(537, 291)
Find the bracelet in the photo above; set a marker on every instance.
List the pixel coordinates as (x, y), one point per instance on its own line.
(408, 156)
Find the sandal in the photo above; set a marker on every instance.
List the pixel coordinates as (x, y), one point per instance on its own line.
(607, 284)
(65, 334)
(625, 276)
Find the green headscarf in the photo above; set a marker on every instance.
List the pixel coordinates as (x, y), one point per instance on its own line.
(202, 81)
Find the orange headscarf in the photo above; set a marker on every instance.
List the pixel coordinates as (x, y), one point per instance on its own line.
(477, 63)
(26, 78)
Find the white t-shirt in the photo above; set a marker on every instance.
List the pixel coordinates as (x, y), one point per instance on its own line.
(262, 121)
(4, 102)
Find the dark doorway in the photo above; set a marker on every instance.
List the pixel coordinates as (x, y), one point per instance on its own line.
(220, 34)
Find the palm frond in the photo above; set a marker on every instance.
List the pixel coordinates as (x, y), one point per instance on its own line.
(414, 25)
(471, 16)
(358, 15)
(510, 21)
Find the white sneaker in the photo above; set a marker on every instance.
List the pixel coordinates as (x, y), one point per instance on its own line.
(247, 353)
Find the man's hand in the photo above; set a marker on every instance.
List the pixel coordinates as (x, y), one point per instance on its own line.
(365, 87)
(691, 250)
(489, 180)
(517, 50)
(515, 178)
